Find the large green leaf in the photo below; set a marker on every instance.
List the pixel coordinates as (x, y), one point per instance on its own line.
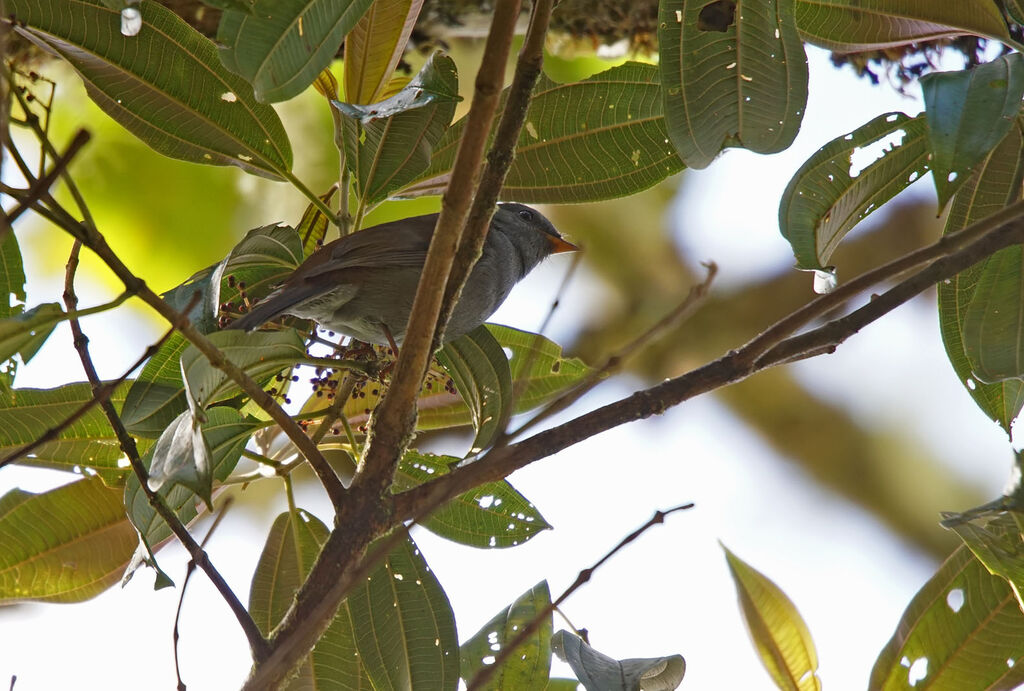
(260, 354)
(599, 672)
(825, 200)
(65, 545)
(25, 332)
(12, 277)
(478, 367)
(962, 630)
(996, 543)
(164, 85)
(388, 144)
(854, 25)
(282, 45)
(158, 395)
(779, 633)
(89, 442)
(492, 515)
(292, 545)
(995, 183)
(730, 76)
(528, 667)
(375, 45)
(406, 634)
(601, 138)
(969, 112)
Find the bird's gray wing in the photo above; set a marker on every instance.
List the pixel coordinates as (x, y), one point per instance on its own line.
(399, 244)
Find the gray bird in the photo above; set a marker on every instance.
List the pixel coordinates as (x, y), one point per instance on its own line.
(363, 284)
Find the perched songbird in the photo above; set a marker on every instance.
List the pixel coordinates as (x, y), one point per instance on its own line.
(363, 284)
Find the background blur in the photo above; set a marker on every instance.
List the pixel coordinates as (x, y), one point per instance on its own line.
(827, 475)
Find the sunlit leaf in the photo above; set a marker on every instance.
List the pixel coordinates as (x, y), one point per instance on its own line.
(995, 183)
(89, 442)
(779, 633)
(65, 545)
(969, 112)
(598, 672)
(158, 395)
(528, 667)
(962, 630)
(996, 543)
(406, 634)
(12, 277)
(313, 226)
(731, 76)
(492, 515)
(292, 545)
(847, 179)
(394, 139)
(375, 45)
(600, 138)
(209, 117)
(282, 45)
(855, 25)
(25, 332)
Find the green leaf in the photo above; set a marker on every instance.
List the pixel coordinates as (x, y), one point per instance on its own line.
(375, 45)
(1015, 8)
(825, 200)
(181, 456)
(292, 545)
(965, 626)
(969, 112)
(312, 228)
(992, 333)
(165, 85)
(528, 667)
(479, 368)
(283, 45)
(394, 139)
(12, 277)
(406, 635)
(731, 76)
(226, 433)
(24, 333)
(492, 515)
(86, 443)
(157, 397)
(598, 672)
(995, 183)
(600, 138)
(857, 25)
(996, 543)
(260, 354)
(65, 545)
(779, 633)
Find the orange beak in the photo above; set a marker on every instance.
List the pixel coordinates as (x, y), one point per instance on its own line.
(561, 245)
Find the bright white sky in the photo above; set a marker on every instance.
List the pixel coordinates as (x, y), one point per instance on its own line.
(670, 591)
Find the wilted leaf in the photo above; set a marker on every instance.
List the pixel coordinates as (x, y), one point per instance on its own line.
(846, 180)
(282, 45)
(598, 672)
(528, 667)
(210, 117)
(779, 633)
(969, 112)
(730, 76)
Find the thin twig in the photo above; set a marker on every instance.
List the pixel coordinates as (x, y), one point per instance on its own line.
(189, 570)
(485, 673)
(40, 187)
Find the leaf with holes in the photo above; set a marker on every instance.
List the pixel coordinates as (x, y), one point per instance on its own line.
(997, 544)
(962, 630)
(832, 192)
(995, 183)
(387, 144)
(292, 545)
(969, 112)
(72, 542)
(406, 635)
(282, 45)
(260, 354)
(850, 26)
(529, 666)
(779, 633)
(209, 117)
(601, 138)
(596, 670)
(375, 45)
(731, 76)
(89, 442)
(492, 515)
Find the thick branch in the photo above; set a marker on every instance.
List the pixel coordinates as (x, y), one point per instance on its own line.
(944, 259)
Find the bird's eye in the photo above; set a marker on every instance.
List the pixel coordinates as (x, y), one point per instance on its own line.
(526, 215)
